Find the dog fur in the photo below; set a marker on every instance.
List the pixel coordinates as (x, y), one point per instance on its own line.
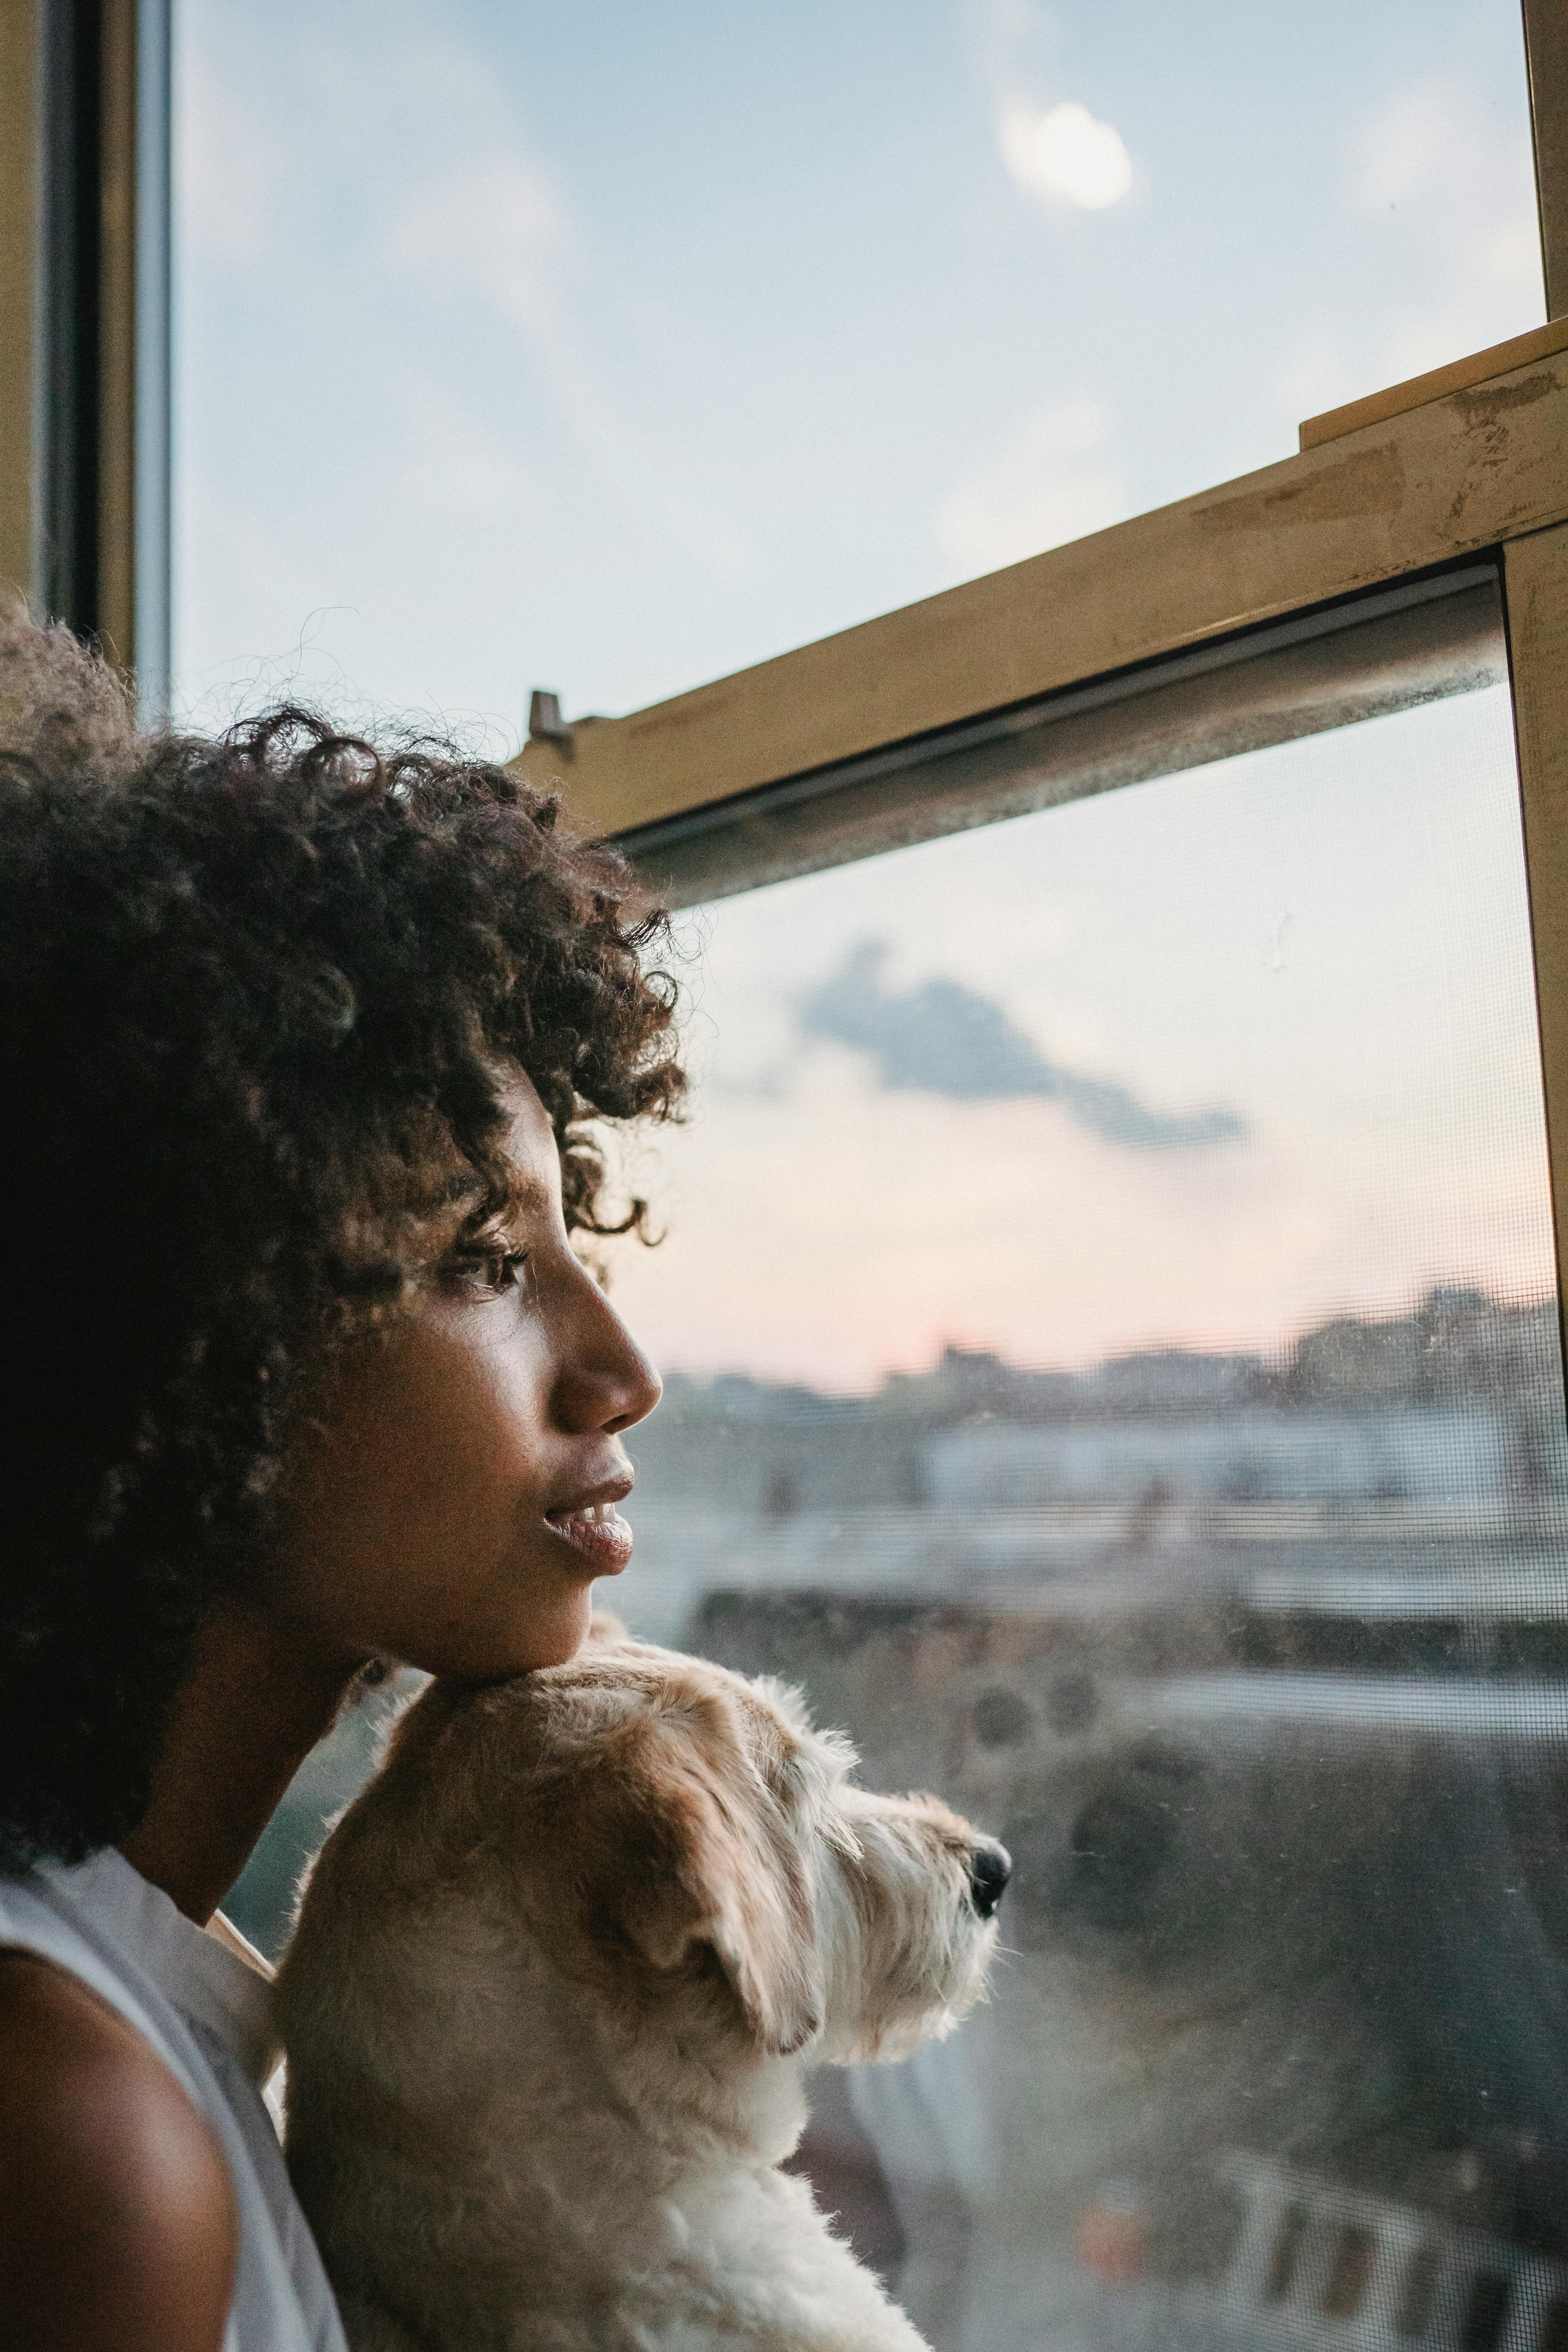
(556, 1976)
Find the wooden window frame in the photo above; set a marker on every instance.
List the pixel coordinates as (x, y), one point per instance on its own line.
(85, 222)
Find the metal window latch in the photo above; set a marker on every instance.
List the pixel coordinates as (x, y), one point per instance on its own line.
(545, 724)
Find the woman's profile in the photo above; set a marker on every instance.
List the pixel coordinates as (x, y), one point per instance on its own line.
(304, 1046)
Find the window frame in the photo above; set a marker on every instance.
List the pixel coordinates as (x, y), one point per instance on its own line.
(1546, 69)
(85, 233)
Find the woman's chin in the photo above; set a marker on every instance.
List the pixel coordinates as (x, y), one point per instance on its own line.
(552, 1638)
(547, 1633)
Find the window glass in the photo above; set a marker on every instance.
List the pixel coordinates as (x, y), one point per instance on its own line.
(612, 349)
(1109, 1310)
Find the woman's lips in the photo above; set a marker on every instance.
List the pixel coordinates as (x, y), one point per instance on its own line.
(597, 1531)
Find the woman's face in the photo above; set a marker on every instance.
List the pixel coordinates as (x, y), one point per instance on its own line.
(460, 1501)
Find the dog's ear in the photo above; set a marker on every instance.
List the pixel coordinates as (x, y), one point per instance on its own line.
(711, 1870)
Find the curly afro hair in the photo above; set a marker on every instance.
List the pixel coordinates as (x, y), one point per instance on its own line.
(261, 996)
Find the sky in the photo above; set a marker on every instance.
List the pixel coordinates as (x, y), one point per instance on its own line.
(1200, 1063)
(610, 349)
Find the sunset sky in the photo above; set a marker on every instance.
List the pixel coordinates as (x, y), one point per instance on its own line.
(1246, 1048)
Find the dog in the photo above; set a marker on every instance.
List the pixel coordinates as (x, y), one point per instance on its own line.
(556, 1978)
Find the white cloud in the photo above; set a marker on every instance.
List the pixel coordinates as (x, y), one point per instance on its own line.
(1432, 150)
(443, 207)
(1429, 171)
(493, 226)
(1065, 155)
(227, 166)
(1052, 480)
(1402, 146)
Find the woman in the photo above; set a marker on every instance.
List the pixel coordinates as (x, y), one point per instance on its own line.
(298, 1044)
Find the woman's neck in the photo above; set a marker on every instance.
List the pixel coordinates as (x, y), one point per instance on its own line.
(251, 1707)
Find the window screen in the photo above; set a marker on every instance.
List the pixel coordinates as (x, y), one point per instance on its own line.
(1110, 1315)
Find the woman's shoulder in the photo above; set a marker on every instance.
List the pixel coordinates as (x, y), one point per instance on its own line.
(118, 2223)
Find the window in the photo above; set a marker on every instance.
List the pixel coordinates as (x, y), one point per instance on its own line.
(1111, 1320)
(611, 350)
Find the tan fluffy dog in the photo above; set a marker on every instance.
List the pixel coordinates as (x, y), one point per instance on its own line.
(555, 1981)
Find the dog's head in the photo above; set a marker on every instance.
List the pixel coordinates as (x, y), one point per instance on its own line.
(685, 1838)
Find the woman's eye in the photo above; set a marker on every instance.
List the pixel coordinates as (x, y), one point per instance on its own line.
(492, 1271)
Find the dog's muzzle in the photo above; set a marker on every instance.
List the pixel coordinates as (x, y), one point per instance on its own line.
(989, 1872)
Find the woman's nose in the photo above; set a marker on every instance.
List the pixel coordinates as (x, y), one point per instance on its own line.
(604, 1382)
(641, 1385)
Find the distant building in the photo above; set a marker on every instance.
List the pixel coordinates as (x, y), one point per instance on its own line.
(1411, 1453)
(1461, 1400)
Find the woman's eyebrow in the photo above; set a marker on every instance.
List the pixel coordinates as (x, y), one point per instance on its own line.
(528, 1193)
(525, 1197)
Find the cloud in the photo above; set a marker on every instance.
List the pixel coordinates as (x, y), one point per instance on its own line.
(492, 230)
(1053, 149)
(404, 128)
(1433, 150)
(492, 225)
(229, 167)
(1400, 148)
(1051, 480)
(942, 1038)
(1064, 154)
(1431, 175)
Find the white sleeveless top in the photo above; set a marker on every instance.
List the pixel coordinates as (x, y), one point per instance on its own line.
(207, 2013)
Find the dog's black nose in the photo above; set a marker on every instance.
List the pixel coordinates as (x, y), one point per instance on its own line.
(989, 1871)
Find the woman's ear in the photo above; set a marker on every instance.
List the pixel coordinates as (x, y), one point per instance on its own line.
(709, 1862)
